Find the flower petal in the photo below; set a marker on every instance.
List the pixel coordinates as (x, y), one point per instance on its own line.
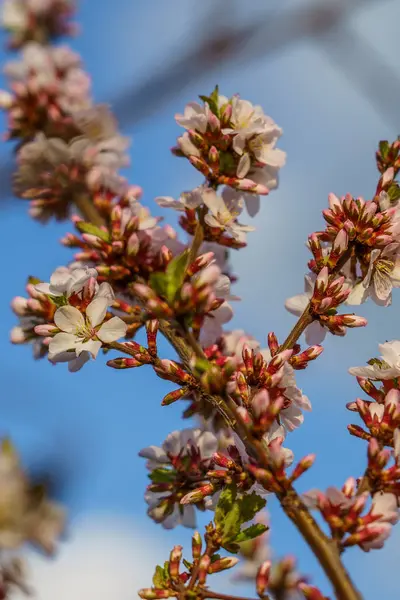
(60, 343)
(96, 311)
(92, 346)
(112, 330)
(297, 304)
(315, 334)
(69, 319)
(77, 363)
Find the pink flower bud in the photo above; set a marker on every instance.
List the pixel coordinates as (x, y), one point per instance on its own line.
(223, 564)
(196, 545)
(341, 242)
(19, 305)
(203, 569)
(17, 335)
(45, 329)
(153, 593)
(262, 578)
(174, 562)
(174, 396)
(198, 495)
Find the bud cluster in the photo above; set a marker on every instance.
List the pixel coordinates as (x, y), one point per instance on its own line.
(54, 173)
(193, 294)
(129, 246)
(178, 467)
(342, 510)
(233, 143)
(171, 581)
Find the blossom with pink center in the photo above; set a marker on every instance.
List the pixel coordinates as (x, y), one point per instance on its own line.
(79, 333)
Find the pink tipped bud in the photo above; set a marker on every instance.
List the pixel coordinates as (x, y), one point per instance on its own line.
(322, 280)
(303, 466)
(213, 155)
(247, 185)
(174, 396)
(273, 344)
(203, 569)
(197, 495)
(353, 321)
(262, 578)
(46, 329)
(340, 242)
(124, 363)
(17, 335)
(196, 545)
(153, 593)
(334, 202)
(19, 305)
(174, 562)
(359, 432)
(223, 564)
(133, 245)
(310, 592)
(387, 176)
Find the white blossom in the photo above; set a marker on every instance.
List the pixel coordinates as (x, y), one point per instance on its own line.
(386, 367)
(66, 281)
(224, 211)
(291, 416)
(383, 275)
(85, 333)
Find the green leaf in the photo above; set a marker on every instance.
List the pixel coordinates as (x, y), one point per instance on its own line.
(188, 564)
(394, 192)
(175, 274)
(93, 230)
(225, 504)
(162, 475)
(159, 577)
(59, 300)
(34, 280)
(384, 149)
(158, 283)
(215, 557)
(227, 163)
(251, 532)
(231, 525)
(212, 101)
(250, 505)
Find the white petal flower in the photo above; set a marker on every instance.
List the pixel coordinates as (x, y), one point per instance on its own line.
(387, 367)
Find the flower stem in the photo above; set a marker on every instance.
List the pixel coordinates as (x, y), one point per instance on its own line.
(88, 210)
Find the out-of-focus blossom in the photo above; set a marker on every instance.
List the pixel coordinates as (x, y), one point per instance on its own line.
(47, 86)
(52, 172)
(27, 516)
(37, 20)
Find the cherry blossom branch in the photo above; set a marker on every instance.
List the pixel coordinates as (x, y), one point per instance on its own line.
(323, 547)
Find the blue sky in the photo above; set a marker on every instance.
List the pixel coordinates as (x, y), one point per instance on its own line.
(91, 425)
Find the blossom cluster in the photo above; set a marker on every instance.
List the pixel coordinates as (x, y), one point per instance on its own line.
(48, 85)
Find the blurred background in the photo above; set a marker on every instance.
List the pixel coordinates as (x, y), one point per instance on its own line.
(327, 72)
